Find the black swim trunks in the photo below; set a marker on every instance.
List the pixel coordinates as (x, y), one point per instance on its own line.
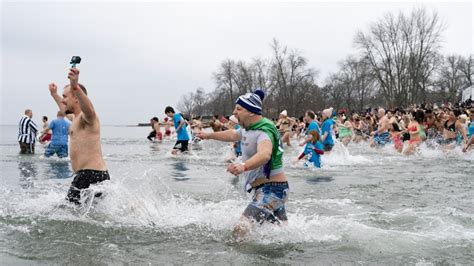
(181, 145)
(83, 179)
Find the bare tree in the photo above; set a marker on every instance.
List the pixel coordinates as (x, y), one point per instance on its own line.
(401, 51)
(467, 69)
(358, 82)
(451, 78)
(186, 104)
(225, 81)
(334, 90)
(199, 102)
(291, 77)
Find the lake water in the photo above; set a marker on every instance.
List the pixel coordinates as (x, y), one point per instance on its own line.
(365, 206)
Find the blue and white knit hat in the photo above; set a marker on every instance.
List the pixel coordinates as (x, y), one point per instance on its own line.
(252, 101)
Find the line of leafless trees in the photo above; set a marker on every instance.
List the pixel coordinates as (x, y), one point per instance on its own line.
(399, 63)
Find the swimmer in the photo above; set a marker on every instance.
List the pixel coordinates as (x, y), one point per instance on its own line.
(262, 163)
(381, 135)
(180, 126)
(85, 149)
(314, 148)
(327, 130)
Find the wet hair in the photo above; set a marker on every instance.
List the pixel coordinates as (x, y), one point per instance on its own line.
(314, 135)
(155, 119)
(311, 114)
(457, 112)
(396, 127)
(169, 109)
(418, 115)
(82, 88)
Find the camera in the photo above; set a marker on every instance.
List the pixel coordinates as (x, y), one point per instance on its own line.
(75, 60)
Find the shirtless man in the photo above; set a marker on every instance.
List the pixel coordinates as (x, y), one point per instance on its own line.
(215, 124)
(167, 124)
(381, 135)
(85, 149)
(157, 128)
(46, 132)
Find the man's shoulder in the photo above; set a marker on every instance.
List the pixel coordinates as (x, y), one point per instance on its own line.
(254, 133)
(80, 121)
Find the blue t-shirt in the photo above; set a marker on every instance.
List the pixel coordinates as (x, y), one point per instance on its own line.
(60, 128)
(327, 128)
(314, 157)
(471, 129)
(182, 133)
(312, 126)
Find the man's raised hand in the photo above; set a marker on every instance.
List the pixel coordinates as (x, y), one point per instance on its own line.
(53, 89)
(73, 77)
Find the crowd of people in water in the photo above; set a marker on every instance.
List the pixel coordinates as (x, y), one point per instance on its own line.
(444, 127)
(259, 142)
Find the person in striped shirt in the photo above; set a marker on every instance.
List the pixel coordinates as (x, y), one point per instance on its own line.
(27, 131)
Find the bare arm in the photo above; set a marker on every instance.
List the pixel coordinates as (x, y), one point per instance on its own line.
(462, 130)
(323, 138)
(263, 155)
(53, 89)
(87, 108)
(382, 125)
(228, 135)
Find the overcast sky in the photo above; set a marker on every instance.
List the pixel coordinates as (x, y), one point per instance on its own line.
(139, 57)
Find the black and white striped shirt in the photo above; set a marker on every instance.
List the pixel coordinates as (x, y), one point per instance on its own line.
(27, 130)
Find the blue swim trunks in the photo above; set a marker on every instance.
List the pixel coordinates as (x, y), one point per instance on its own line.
(268, 203)
(382, 139)
(60, 149)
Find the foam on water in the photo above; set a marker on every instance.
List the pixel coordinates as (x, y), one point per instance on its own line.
(145, 206)
(418, 214)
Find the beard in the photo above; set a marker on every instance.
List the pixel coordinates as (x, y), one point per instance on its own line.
(68, 111)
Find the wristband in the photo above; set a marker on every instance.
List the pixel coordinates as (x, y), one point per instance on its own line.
(245, 167)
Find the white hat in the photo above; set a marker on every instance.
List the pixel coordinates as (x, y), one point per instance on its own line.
(234, 119)
(463, 116)
(284, 113)
(327, 112)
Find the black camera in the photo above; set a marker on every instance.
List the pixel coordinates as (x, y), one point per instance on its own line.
(75, 60)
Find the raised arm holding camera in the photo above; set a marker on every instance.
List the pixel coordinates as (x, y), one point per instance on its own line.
(85, 149)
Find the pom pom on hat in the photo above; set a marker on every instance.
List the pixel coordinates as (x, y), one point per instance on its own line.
(260, 93)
